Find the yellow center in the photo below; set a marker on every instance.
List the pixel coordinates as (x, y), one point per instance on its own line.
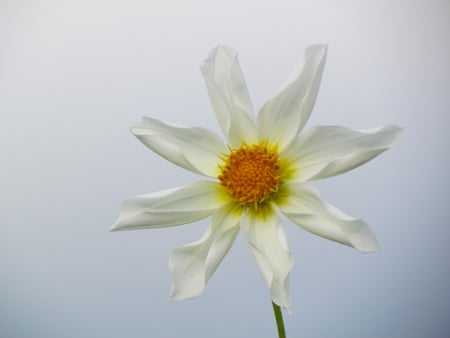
(250, 174)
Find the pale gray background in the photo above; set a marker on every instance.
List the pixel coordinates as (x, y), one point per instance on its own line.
(75, 75)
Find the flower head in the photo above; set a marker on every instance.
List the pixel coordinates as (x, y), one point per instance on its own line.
(259, 172)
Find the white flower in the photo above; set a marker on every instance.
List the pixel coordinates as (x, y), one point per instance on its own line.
(259, 172)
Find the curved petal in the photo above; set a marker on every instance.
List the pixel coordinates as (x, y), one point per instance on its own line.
(326, 151)
(171, 207)
(302, 205)
(282, 118)
(267, 238)
(195, 149)
(229, 96)
(192, 265)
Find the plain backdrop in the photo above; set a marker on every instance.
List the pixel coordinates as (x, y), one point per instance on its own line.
(76, 75)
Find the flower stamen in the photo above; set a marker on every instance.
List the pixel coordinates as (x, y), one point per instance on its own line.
(251, 174)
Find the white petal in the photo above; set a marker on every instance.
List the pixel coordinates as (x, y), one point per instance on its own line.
(171, 207)
(282, 118)
(195, 149)
(192, 265)
(326, 151)
(229, 96)
(266, 235)
(303, 206)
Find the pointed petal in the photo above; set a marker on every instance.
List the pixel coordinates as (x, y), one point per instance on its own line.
(283, 117)
(195, 149)
(326, 151)
(229, 96)
(303, 206)
(267, 238)
(192, 265)
(171, 207)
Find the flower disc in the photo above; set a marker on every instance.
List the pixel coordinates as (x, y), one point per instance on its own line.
(251, 174)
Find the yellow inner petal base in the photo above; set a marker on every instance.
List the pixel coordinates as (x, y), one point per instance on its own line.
(251, 174)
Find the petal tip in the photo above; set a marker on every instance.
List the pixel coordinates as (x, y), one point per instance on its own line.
(214, 52)
(367, 246)
(134, 129)
(286, 306)
(319, 48)
(116, 227)
(177, 295)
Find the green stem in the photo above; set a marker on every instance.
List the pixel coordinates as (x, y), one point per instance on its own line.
(279, 320)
